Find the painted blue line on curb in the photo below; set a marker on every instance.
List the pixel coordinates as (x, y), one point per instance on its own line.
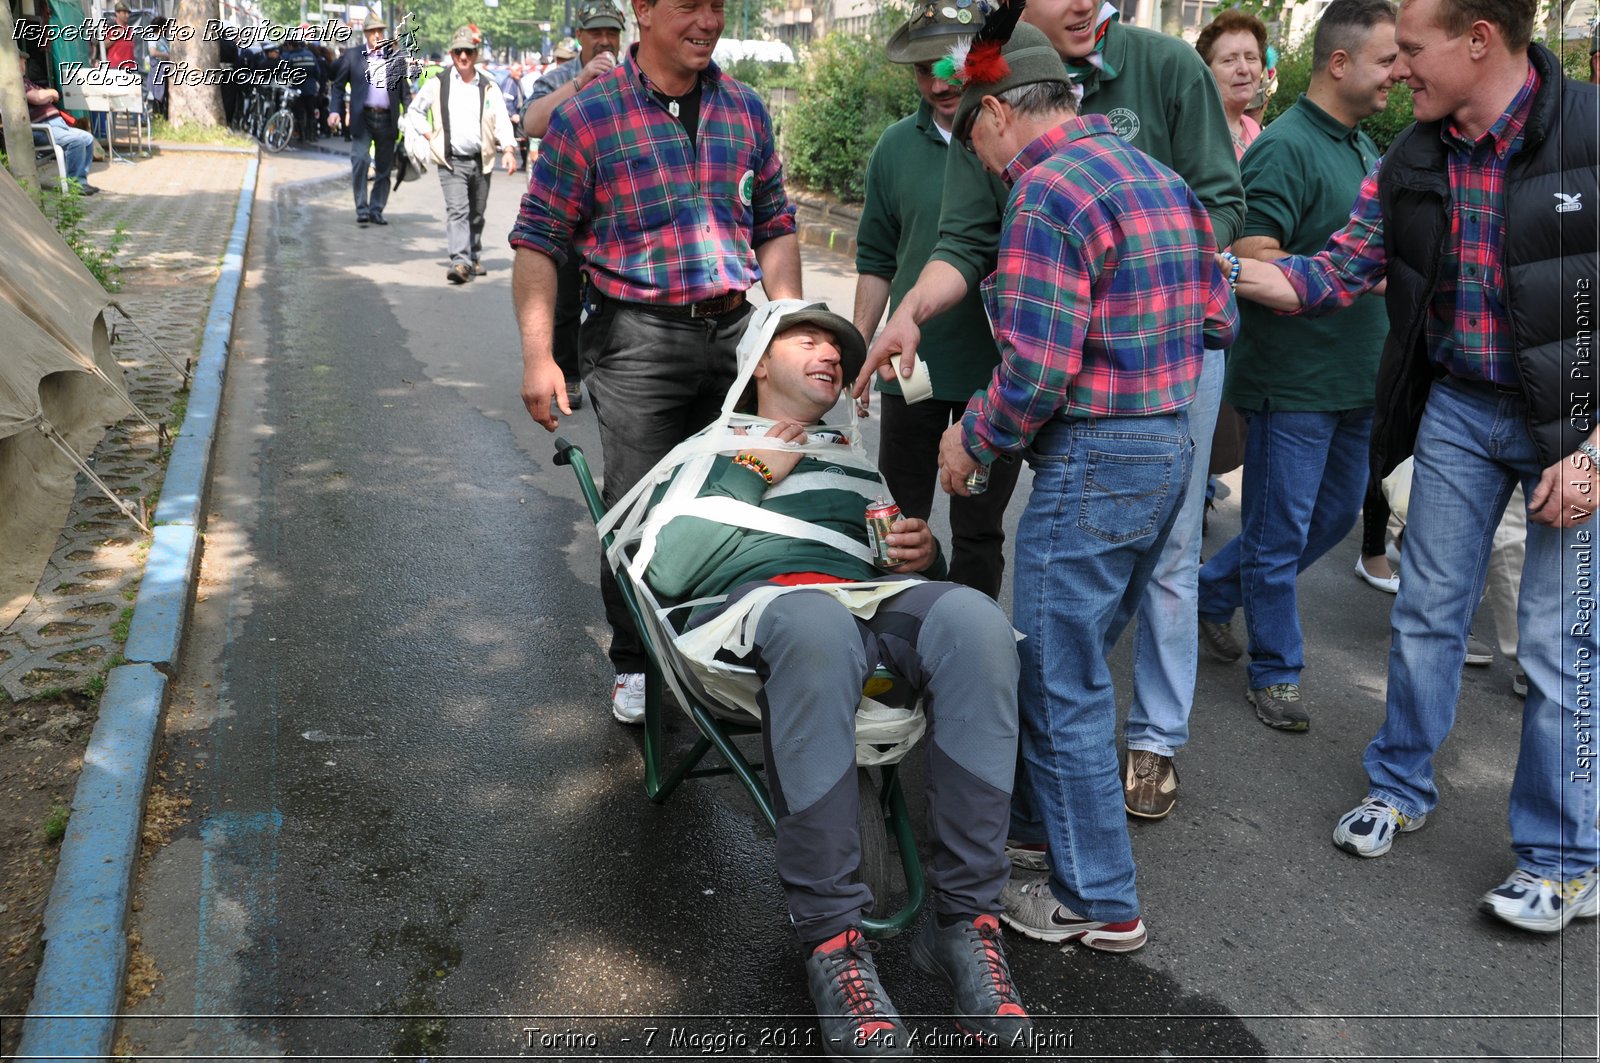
(156, 632)
(78, 993)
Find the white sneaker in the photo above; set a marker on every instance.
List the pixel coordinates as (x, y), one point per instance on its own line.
(1542, 905)
(1370, 828)
(627, 697)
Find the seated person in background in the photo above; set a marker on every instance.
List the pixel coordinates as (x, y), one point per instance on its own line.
(813, 653)
(77, 145)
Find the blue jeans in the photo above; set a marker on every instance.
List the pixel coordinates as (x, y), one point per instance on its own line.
(1305, 475)
(1105, 495)
(1472, 448)
(1166, 641)
(77, 149)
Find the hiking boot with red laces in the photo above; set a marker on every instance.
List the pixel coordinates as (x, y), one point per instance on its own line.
(853, 1011)
(968, 956)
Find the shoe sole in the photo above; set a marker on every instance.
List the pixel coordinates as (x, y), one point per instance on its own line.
(1099, 940)
(1163, 814)
(1554, 925)
(631, 721)
(1478, 660)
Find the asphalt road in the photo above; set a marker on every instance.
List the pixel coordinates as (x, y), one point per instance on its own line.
(417, 831)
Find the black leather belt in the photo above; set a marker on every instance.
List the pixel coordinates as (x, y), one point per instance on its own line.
(714, 307)
(1488, 387)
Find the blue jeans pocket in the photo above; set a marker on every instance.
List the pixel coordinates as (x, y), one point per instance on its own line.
(1125, 495)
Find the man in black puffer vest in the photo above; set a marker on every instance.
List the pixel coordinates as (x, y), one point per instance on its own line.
(1482, 217)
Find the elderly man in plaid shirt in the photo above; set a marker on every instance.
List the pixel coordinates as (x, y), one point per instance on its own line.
(1104, 300)
(664, 175)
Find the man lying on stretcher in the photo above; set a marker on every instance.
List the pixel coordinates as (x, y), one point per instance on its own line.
(814, 644)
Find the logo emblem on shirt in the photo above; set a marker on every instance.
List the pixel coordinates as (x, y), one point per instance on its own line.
(1124, 122)
(1569, 202)
(747, 187)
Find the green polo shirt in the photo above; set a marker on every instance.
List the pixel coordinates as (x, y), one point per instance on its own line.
(1301, 177)
(1162, 100)
(899, 228)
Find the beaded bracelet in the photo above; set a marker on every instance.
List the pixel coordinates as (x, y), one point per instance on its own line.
(1233, 274)
(754, 464)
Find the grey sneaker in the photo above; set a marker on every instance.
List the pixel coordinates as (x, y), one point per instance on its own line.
(853, 1011)
(1149, 784)
(1278, 706)
(1219, 642)
(1031, 909)
(1478, 651)
(1370, 828)
(968, 957)
(1543, 905)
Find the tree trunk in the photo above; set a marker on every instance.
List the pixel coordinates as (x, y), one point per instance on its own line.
(14, 104)
(1172, 17)
(192, 55)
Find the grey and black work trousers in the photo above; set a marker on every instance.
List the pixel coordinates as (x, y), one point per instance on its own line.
(813, 655)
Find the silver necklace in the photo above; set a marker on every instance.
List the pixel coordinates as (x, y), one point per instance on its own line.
(672, 108)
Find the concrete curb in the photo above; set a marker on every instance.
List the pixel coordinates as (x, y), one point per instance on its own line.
(77, 996)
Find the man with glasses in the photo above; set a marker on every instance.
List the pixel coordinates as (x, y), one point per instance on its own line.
(899, 228)
(462, 114)
(374, 75)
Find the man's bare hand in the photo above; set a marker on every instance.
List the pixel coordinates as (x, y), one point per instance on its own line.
(911, 546)
(334, 121)
(781, 463)
(1565, 495)
(598, 67)
(955, 464)
(540, 384)
(900, 336)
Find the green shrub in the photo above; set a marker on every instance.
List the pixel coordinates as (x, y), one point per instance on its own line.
(851, 94)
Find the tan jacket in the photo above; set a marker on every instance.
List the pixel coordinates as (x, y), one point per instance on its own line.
(425, 117)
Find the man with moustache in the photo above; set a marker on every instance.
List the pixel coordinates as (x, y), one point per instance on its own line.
(599, 41)
(1160, 97)
(1479, 219)
(664, 176)
(1304, 384)
(898, 230)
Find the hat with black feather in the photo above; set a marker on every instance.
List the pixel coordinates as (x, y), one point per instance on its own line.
(1006, 54)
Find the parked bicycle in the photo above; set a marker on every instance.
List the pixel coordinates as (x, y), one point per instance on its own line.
(268, 114)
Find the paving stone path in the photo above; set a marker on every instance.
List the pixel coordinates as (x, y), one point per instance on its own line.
(177, 210)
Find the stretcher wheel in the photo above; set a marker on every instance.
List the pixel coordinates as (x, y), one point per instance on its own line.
(877, 862)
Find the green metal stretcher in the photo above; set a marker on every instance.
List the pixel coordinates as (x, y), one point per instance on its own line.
(883, 806)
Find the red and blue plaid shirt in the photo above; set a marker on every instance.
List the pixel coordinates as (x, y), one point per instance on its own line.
(1106, 293)
(657, 218)
(1468, 334)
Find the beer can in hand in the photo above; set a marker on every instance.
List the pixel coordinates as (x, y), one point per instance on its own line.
(881, 516)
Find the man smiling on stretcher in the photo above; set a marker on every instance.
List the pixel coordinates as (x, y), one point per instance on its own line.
(780, 529)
